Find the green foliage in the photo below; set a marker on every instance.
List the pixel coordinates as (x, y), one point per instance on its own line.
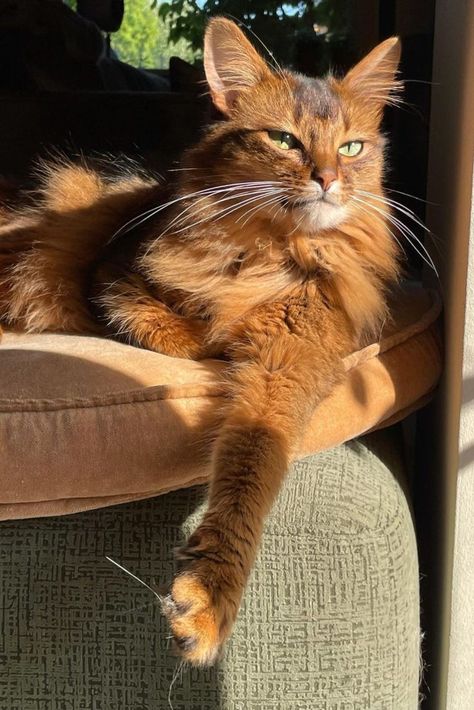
(141, 36)
(143, 39)
(277, 24)
(152, 30)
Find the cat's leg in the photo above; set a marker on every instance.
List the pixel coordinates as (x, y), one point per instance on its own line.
(132, 313)
(274, 394)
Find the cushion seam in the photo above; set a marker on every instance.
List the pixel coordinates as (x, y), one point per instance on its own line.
(53, 405)
(35, 406)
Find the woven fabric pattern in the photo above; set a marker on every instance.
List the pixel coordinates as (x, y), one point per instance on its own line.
(329, 620)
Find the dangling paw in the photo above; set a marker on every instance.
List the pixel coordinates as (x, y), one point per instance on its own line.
(194, 620)
(203, 603)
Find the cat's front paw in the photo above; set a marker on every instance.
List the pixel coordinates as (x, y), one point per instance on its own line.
(201, 608)
(194, 620)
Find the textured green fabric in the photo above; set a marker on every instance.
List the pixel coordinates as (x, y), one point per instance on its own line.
(329, 621)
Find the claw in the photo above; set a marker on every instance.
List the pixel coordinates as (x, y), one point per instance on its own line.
(185, 643)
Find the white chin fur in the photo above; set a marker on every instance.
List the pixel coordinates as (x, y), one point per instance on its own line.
(318, 216)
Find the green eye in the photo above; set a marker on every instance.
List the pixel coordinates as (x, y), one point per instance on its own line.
(351, 149)
(283, 140)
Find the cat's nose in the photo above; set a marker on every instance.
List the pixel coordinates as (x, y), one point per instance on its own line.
(325, 178)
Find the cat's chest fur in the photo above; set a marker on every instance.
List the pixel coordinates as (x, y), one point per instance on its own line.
(224, 278)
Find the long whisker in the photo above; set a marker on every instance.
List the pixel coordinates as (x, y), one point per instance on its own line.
(219, 215)
(148, 214)
(388, 219)
(178, 671)
(242, 204)
(407, 194)
(403, 229)
(228, 210)
(283, 207)
(181, 216)
(383, 222)
(408, 233)
(403, 209)
(134, 576)
(397, 206)
(277, 207)
(251, 212)
(298, 225)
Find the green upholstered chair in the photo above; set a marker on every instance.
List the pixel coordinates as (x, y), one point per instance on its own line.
(330, 619)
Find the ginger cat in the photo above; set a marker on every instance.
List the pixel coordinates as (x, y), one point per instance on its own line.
(260, 249)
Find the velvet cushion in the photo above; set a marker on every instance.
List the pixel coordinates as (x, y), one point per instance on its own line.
(87, 422)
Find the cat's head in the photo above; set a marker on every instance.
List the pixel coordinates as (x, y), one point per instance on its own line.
(310, 142)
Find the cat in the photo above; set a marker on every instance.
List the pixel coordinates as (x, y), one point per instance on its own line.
(264, 249)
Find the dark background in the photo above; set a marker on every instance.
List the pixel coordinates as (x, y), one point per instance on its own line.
(53, 95)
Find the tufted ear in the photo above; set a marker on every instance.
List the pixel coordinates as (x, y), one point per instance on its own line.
(374, 78)
(231, 63)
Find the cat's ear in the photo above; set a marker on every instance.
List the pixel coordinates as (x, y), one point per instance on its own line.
(374, 78)
(231, 63)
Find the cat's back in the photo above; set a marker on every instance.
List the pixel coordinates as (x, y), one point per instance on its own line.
(48, 248)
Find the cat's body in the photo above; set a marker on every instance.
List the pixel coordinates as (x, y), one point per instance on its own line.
(283, 274)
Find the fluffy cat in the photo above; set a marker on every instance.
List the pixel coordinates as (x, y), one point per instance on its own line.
(259, 250)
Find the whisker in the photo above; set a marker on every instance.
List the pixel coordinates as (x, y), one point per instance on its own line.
(219, 215)
(136, 221)
(408, 213)
(421, 81)
(134, 576)
(178, 219)
(283, 207)
(136, 608)
(397, 206)
(407, 194)
(251, 212)
(383, 222)
(178, 671)
(226, 211)
(148, 214)
(262, 196)
(409, 233)
(298, 225)
(405, 231)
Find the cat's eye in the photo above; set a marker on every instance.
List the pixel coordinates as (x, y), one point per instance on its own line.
(351, 149)
(283, 140)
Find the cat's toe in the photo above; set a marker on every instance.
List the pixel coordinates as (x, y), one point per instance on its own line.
(194, 620)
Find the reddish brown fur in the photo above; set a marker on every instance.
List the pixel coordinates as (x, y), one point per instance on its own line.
(284, 291)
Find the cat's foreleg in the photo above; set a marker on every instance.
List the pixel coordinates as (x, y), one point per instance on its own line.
(133, 314)
(274, 394)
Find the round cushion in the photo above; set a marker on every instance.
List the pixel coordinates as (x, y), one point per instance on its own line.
(87, 422)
